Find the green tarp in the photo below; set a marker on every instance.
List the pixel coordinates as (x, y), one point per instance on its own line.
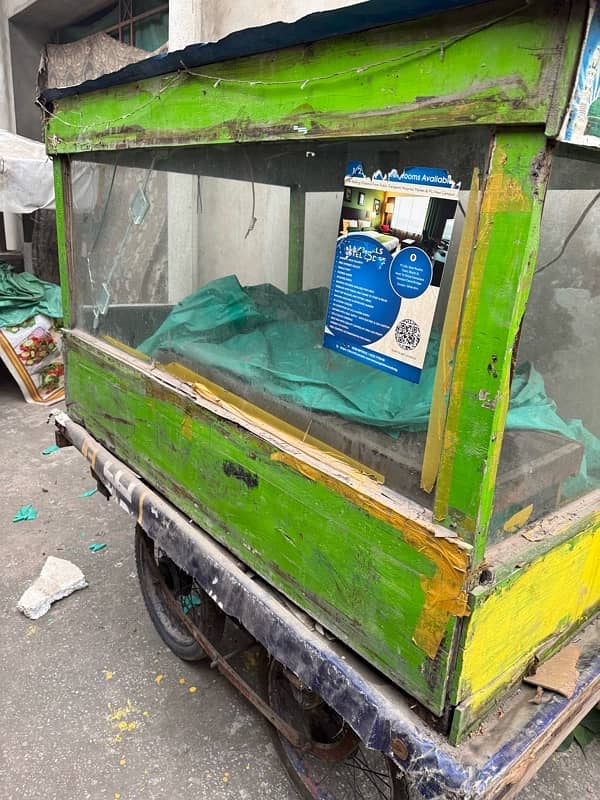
(274, 342)
(23, 295)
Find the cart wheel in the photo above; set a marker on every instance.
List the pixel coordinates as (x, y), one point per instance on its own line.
(200, 608)
(336, 765)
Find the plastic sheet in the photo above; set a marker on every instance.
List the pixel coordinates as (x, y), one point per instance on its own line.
(23, 296)
(27, 179)
(274, 341)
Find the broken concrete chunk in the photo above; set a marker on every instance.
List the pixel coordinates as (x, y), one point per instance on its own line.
(57, 579)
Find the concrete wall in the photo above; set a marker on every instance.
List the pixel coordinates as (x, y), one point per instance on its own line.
(12, 223)
(220, 17)
(26, 43)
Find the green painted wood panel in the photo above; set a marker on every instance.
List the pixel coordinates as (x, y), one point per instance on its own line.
(528, 614)
(491, 63)
(62, 195)
(360, 577)
(503, 263)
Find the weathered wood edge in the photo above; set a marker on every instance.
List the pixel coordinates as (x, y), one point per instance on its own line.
(502, 271)
(504, 560)
(447, 352)
(64, 233)
(176, 109)
(466, 719)
(407, 510)
(567, 72)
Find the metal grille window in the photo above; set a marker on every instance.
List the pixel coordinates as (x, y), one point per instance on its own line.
(140, 23)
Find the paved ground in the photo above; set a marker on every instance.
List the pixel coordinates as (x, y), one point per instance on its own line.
(93, 704)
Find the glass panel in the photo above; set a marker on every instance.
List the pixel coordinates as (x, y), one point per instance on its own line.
(151, 32)
(552, 442)
(142, 6)
(192, 255)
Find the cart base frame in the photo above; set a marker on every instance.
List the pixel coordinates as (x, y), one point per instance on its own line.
(497, 763)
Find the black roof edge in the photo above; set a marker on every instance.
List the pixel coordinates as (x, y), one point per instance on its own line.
(266, 38)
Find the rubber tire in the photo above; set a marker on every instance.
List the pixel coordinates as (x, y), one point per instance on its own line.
(399, 785)
(208, 617)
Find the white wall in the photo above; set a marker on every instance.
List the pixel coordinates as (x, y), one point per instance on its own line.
(12, 223)
(201, 245)
(220, 17)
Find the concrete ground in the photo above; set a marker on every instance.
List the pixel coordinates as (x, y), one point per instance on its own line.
(93, 704)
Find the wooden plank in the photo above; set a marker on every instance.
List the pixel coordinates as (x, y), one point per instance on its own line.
(296, 238)
(569, 58)
(394, 600)
(443, 373)
(503, 265)
(525, 615)
(64, 234)
(481, 65)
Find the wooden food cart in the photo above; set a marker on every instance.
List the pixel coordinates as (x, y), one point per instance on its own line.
(406, 524)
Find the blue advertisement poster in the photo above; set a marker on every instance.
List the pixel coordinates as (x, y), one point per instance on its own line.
(582, 121)
(395, 231)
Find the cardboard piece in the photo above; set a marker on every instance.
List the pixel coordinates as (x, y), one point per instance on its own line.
(559, 673)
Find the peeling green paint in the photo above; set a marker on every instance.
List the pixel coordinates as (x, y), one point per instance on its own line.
(393, 79)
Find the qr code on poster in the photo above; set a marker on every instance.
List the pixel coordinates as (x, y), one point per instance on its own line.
(408, 334)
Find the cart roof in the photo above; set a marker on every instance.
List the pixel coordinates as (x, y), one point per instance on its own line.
(274, 36)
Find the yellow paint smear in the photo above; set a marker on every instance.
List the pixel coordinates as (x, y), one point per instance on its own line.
(186, 427)
(502, 191)
(546, 598)
(443, 372)
(255, 415)
(519, 519)
(444, 591)
(126, 349)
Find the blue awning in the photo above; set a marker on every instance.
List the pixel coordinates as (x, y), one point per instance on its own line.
(265, 38)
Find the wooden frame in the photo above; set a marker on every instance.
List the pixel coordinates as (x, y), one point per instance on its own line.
(426, 571)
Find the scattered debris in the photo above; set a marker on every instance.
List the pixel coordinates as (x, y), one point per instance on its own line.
(88, 493)
(533, 535)
(25, 512)
(57, 579)
(538, 697)
(192, 690)
(95, 547)
(559, 673)
(189, 601)
(54, 448)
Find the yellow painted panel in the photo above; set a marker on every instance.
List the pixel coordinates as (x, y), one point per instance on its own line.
(546, 598)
